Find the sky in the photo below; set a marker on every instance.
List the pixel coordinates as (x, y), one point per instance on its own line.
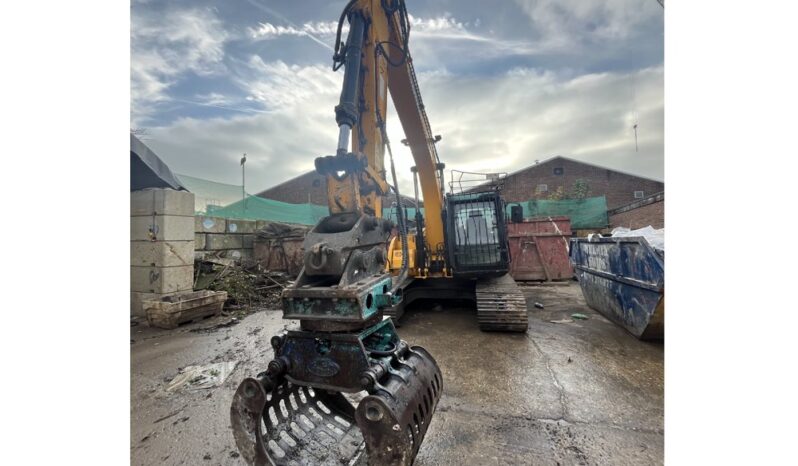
(505, 83)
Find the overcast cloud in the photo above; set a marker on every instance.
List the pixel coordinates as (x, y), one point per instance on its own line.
(505, 83)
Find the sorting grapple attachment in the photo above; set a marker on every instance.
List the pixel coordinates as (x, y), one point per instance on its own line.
(294, 425)
(299, 425)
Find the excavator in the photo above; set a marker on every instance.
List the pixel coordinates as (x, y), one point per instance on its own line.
(343, 387)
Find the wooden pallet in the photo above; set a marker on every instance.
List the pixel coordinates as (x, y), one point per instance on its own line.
(173, 310)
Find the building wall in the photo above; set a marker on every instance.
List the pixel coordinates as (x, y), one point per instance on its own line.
(649, 211)
(617, 187)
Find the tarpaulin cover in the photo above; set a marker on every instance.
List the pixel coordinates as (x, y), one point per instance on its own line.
(655, 238)
(590, 212)
(147, 170)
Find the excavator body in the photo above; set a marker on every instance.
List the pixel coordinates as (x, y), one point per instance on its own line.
(343, 387)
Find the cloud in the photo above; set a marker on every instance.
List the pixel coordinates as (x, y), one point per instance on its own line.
(167, 45)
(270, 31)
(430, 31)
(530, 114)
(277, 84)
(295, 124)
(526, 115)
(568, 24)
(535, 80)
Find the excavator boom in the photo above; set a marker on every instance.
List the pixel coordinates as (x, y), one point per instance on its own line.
(342, 386)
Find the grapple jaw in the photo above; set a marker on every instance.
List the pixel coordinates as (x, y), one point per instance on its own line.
(291, 424)
(395, 416)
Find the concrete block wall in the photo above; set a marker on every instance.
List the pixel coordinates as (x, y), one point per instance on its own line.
(223, 237)
(161, 245)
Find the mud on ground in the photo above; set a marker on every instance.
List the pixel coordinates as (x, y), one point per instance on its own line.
(584, 392)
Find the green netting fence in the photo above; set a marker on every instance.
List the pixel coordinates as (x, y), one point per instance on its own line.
(590, 212)
(210, 193)
(258, 208)
(584, 213)
(390, 213)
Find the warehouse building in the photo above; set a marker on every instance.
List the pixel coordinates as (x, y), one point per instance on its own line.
(539, 181)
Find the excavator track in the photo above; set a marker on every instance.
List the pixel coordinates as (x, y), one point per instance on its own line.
(501, 306)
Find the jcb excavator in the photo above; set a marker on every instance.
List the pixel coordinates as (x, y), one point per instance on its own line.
(346, 349)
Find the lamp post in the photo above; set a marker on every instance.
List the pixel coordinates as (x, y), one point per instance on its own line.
(243, 177)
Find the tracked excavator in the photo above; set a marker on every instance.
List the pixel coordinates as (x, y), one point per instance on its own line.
(343, 388)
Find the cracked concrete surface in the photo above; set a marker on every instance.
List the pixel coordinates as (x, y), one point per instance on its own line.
(585, 392)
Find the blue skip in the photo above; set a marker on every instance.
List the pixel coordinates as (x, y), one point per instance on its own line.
(623, 279)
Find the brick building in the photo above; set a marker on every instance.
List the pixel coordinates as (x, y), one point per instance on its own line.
(641, 213)
(311, 188)
(540, 180)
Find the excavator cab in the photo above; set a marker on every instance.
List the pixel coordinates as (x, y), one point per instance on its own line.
(476, 234)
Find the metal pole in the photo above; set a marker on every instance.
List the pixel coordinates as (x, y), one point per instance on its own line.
(243, 177)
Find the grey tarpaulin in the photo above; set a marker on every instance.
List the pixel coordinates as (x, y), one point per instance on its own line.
(147, 170)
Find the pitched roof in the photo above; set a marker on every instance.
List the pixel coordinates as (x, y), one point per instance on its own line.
(406, 200)
(560, 157)
(288, 181)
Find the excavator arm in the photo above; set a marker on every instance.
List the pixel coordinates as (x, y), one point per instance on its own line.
(295, 412)
(378, 62)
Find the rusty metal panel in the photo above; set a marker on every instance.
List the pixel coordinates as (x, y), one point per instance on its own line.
(539, 249)
(283, 254)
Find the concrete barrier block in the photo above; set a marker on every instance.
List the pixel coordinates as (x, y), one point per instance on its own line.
(204, 224)
(161, 279)
(161, 202)
(214, 242)
(137, 298)
(162, 228)
(161, 253)
(247, 241)
(199, 241)
(240, 226)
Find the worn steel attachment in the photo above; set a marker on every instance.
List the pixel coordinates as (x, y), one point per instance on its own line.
(279, 422)
(296, 411)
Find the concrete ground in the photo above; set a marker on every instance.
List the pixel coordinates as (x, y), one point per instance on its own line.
(584, 392)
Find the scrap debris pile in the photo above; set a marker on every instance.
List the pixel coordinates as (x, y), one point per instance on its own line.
(248, 286)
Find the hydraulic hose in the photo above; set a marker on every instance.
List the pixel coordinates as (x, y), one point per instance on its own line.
(400, 214)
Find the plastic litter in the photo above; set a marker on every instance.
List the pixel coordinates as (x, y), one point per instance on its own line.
(655, 238)
(578, 316)
(202, 377)
(562, 321)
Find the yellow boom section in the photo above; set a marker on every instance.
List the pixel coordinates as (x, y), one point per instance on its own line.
(407, 101)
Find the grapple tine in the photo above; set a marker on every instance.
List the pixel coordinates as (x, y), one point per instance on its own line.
(299, 425)
(248, 406)
(394, 418)
(283, 428)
